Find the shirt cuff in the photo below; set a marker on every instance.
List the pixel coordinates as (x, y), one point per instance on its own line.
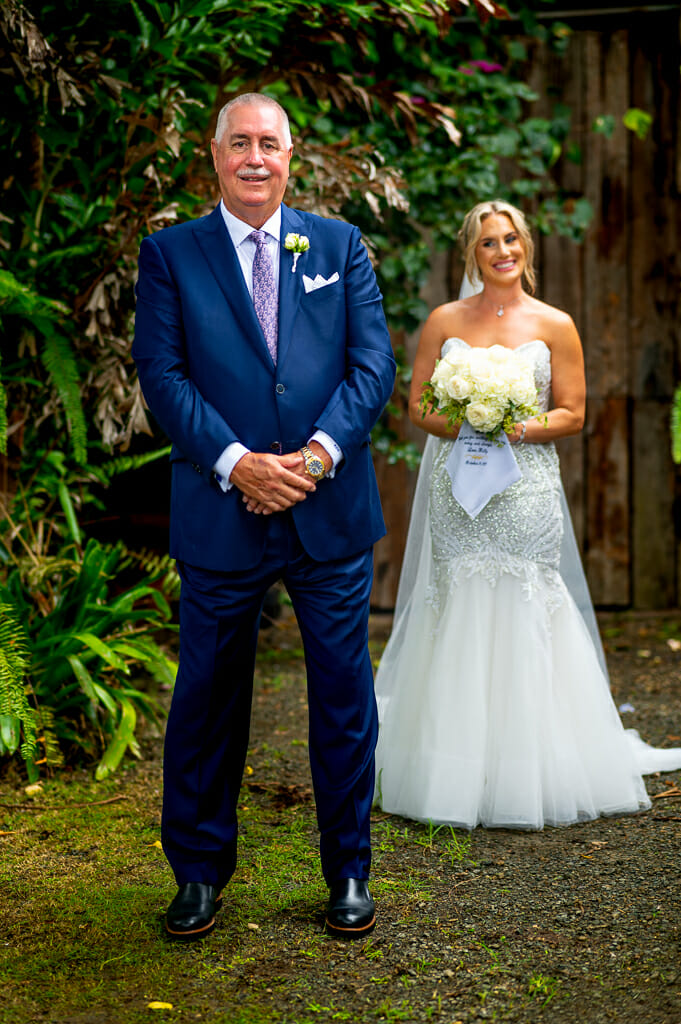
(330, 446)
(226, 463)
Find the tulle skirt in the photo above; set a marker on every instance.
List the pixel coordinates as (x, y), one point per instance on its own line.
(498, 713)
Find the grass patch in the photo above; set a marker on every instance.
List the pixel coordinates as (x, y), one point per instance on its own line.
(494, 925)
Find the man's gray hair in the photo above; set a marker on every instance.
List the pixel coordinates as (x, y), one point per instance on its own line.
(252, 99)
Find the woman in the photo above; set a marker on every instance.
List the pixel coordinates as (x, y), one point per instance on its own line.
(494, 704)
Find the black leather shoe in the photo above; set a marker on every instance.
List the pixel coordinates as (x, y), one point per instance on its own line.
(191, 915)
(350, 913)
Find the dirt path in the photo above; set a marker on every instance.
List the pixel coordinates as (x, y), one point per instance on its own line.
(576, 924)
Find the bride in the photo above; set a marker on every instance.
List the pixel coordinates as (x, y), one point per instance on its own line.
(493, 697)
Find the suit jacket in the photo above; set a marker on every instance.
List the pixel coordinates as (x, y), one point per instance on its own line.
(208, 379)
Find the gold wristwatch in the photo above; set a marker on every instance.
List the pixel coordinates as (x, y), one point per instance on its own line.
(314, 466)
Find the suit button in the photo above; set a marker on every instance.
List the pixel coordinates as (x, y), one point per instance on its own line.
(275, 446)
(280, 389)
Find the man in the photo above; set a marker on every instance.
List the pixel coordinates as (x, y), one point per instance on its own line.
(267, 367)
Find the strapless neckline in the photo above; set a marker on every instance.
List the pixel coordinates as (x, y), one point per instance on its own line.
(516, 349)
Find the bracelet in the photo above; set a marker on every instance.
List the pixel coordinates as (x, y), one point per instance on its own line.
(522, 432)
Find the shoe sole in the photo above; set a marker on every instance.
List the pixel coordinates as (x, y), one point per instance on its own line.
(350, 933)
(196, 933)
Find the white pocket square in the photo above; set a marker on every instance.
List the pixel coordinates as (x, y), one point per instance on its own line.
(312, 284)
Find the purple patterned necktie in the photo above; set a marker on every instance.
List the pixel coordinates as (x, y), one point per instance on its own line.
(265, 298)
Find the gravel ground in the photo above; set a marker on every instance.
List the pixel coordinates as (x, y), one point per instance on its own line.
(580, 923)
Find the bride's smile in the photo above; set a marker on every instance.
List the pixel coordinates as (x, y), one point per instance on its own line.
(500, 250)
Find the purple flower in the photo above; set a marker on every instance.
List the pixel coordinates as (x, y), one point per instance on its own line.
(482, 65)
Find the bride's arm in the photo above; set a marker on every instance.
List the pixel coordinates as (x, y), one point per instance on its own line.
(430, 344)
(568, 385)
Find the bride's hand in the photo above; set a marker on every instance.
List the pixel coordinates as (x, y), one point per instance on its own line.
(517, 435)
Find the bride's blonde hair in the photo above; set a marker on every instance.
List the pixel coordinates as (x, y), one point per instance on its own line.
(471, 229)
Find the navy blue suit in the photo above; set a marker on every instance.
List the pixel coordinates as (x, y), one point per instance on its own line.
(209, 380)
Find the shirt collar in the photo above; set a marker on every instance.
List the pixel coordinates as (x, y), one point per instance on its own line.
(240, 230)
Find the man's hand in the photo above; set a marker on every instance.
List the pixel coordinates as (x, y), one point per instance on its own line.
(271, 483)
(320, 451)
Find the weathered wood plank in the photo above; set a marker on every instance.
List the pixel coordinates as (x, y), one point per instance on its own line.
(653, 542)
(605, 323)
(608, 519)
(654, 314)
(560, 262)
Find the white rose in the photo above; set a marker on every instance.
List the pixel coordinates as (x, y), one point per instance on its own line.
(438, 374)
(458, 388)
(497, 389)
(522, 390)
(481, 369)
(484, 417)
(440, 393)
(499, 354)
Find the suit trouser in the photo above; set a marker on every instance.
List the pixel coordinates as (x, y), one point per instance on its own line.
(208, 725)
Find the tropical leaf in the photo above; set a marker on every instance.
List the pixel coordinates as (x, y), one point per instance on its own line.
(123, 739)
(104, 650)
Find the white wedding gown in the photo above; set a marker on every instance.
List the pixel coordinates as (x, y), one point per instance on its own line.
(493, 702)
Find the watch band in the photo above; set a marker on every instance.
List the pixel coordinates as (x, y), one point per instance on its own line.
(313, 464)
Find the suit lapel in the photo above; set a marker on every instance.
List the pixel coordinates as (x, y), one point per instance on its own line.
(290, 284)
(216, 245)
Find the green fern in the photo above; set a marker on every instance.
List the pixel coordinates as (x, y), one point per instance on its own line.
(16, 715)
(45, 315)
(20, 300)
(3, 416)
(126, 463)
(60, 363)
(52, 752)
(676, 425)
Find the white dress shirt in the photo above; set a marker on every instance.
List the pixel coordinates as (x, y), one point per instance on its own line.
(245, 247)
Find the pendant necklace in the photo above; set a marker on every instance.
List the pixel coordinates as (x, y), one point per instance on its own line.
(501, 309)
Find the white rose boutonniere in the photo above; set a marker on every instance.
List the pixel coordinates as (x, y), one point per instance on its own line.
(297, 244)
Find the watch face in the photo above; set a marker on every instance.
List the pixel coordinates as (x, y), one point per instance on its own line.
(315, 467)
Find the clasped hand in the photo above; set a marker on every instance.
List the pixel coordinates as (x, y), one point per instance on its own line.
(271, 483)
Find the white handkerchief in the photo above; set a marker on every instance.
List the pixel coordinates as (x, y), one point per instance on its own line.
(312, 284)
(479, 468)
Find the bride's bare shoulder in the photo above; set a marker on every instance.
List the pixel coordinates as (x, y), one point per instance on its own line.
(449, 313)
(553, 325)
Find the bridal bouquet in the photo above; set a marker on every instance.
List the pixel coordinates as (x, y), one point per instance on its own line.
(491, 388)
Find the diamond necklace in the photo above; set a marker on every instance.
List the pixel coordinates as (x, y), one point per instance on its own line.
(501, 309)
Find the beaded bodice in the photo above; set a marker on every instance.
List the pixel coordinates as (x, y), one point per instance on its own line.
(519, 531)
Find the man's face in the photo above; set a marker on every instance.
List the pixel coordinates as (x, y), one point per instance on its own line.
(251, 161)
